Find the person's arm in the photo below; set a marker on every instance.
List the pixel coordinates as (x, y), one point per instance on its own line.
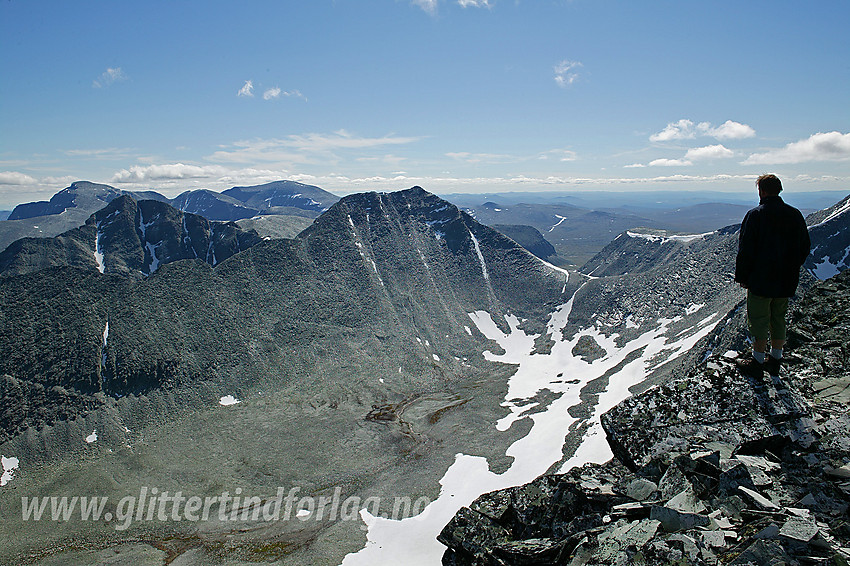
(805, 241)
(746, 250)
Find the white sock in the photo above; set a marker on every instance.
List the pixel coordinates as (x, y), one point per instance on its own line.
(776, 353)
(759, 356)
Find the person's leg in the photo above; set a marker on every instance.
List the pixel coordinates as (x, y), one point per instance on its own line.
(778, 310)
(758, 321)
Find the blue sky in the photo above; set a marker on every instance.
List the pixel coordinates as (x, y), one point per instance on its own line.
(452, 95)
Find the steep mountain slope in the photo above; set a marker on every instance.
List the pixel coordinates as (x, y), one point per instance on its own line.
(529, 238)
(129, 237)
(831, 229)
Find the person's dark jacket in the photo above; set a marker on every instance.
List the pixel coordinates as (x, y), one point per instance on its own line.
(772, 246)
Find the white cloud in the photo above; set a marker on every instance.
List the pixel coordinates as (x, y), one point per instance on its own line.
(681, 130)
(474, 3)
(669, 162)
(634, 166)
(565, 73)
(108, 77)
(430, 6)
(271, 93)
(686, 129)
(708, 152)
(247, 89)
(16, 178)
(730, 130)
(829, 146)
(138, 173)
(694, 154)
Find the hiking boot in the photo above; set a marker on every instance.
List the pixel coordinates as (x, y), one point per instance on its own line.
(750, 367)
(772, 365)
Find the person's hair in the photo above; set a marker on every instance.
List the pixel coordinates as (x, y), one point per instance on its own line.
(770, 184)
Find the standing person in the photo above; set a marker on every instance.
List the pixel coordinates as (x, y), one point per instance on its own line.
(772, 246)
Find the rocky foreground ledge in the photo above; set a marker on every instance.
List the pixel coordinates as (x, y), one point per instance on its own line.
(714, 468)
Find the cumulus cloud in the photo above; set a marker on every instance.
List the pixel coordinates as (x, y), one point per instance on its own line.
(138, 173)
(16, 178)
(730, 130)
(474, 3)
(566, 73)
(669, 162)
(247, 89)
(686, 129)
(708, 152)
(829, 146)
(108, 77)
(694, 154)
(271, 93)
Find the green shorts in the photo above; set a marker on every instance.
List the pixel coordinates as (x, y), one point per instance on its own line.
(765, 316)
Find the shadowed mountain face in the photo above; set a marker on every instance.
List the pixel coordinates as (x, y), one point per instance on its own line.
(528, 237)
(129, 237)
(830, 232)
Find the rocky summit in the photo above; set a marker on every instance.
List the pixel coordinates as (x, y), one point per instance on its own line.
(711, 468)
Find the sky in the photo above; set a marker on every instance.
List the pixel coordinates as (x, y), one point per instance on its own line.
(456, 96)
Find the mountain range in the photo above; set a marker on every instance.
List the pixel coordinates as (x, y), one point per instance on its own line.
(395, 346)
(69, 208)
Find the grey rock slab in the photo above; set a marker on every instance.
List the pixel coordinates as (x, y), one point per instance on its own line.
(760, 500)
(673, 521)
(641, 489)
(799, 529)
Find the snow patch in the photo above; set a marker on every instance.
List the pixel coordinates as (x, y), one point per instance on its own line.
(693, 307)
(436, 357)
(98, 251)
(480, 256)
(9, 464)
(412, 540)
(562, 218)
(92, 437)
(228, 400)
(835, 214)
(663, 239)
(103, 345)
